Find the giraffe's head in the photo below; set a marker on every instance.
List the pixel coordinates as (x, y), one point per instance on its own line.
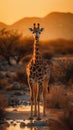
(36, 30)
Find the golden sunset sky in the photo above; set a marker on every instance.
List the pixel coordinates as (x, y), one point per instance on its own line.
(13, 10)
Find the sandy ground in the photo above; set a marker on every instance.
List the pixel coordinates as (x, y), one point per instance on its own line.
(22, 111)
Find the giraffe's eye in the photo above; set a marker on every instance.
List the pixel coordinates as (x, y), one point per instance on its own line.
(37, 49)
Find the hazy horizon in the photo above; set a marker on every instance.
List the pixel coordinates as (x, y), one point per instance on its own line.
(34, 17)
(11, 10)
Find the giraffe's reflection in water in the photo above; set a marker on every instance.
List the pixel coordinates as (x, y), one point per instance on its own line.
(54, 126)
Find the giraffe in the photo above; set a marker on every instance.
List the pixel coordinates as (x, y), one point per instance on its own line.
(38, 74)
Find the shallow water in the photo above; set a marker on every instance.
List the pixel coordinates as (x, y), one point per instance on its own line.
(26, 128)
(16, 125)
(17, 118)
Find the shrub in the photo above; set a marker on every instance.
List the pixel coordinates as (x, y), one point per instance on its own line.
(3, 83)
(21, 77)
(58, 98)
(3, 105)
(61, 70)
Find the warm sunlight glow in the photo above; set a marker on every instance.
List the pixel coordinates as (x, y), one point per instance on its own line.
(13, 10)
(22, 109)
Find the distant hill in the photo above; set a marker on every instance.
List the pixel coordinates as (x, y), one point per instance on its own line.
(2, 25)
(56, 24)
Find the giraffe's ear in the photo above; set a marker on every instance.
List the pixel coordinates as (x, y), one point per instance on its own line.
(42, 29)
(31, 29)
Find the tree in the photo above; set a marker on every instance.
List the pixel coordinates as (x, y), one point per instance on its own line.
(8, 40)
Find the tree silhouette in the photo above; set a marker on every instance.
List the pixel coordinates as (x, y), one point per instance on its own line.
(8, 40)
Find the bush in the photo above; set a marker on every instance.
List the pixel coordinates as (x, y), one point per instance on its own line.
(58, 98)
(61, 70)
(21, 77)
(3, 105)
(3, 83)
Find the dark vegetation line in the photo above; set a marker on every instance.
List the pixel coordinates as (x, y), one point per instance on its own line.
(13, 44)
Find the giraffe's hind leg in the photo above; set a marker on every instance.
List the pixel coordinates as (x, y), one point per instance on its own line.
(31, 98)
(35, 99)
(38, 102)
(45, 91)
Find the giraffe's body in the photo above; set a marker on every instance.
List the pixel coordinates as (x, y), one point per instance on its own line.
(38, 76)
(37, 68)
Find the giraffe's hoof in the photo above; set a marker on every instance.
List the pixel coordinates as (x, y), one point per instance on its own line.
(38, 118)
(30, 118)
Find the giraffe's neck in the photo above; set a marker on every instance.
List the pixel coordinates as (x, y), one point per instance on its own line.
(36, 50)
